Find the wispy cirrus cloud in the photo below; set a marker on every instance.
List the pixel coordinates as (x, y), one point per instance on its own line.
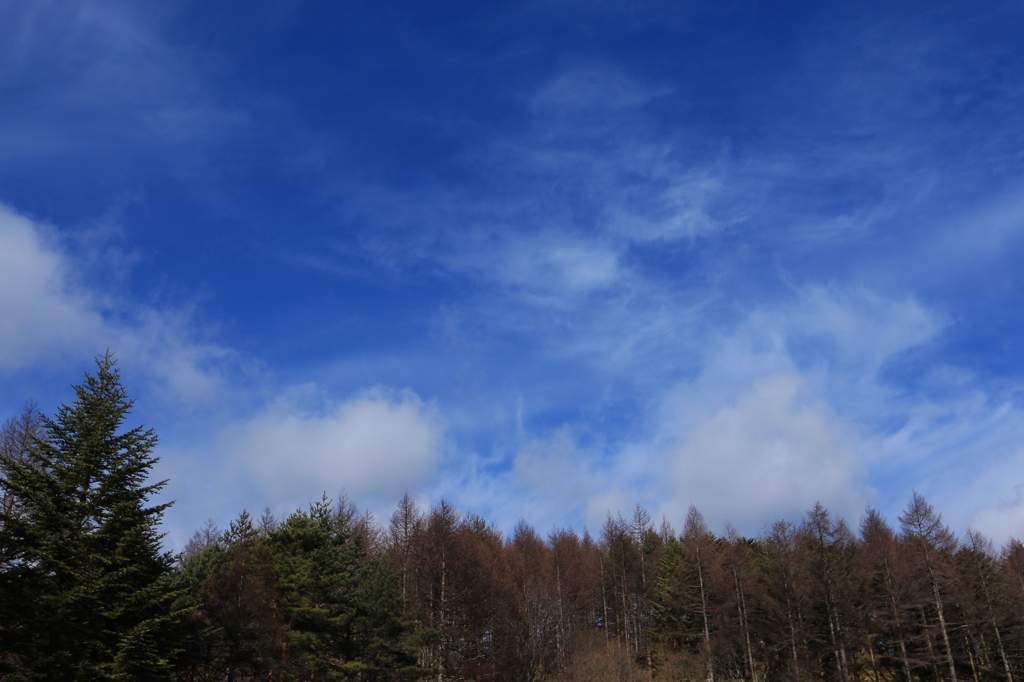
(805, 400)
(107, 64)
(558, 203)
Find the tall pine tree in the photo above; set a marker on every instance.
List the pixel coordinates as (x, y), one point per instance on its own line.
(84, 587)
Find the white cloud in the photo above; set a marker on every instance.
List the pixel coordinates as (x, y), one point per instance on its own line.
(927, 426)
(556, 266)
(771, 454)
(559, 478)
(865, 328)
(43, 311)
(965, 455)
(551, 481)
(375, 446)
(1004, 520)
(763, 429)
(547, 463)
(49, 314)
(161, 345)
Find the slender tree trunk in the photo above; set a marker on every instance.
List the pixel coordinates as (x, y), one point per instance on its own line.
(792, 637)
(843, 666)
(874, 666)
(995, 626)
(928, 640)
(625, 617)
(835, 645)
(984, 659)
(604, 601)
(787, 587)
(704, 614)
(440, 629)
(742, 607)
(896, 619)
(970, 657)
(834, 626)
(559, 633)
(1002, 650)
(942, 617)
(627, 613)
(643, 637)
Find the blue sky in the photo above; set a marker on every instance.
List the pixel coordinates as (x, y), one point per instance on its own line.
(544, 259)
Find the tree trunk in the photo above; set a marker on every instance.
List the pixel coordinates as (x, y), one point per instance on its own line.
(604, 601)
(742, 608)
(896, 619)
(704, 615)
(942, 617)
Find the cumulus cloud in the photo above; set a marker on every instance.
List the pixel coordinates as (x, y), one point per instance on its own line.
(863, 413)
(50, 314)
(771, 454)
(375, 446)
(43, 310)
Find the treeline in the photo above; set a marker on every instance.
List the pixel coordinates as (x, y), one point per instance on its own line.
(798, 602)
(327, 593)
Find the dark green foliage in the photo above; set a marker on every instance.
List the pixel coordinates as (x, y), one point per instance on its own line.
(85, 586)
(341, 607)
(297, 601)
(673, 623)
(234, 627)
(197, 635)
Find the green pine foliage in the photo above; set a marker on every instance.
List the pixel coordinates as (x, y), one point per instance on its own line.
(340, 606)
(84, 582)
(671, 622)
(302, 600)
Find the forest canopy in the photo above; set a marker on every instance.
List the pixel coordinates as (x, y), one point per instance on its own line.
(88, 592)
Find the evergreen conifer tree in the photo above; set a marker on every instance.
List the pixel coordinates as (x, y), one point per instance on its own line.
(342, 607)
(84, 584)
